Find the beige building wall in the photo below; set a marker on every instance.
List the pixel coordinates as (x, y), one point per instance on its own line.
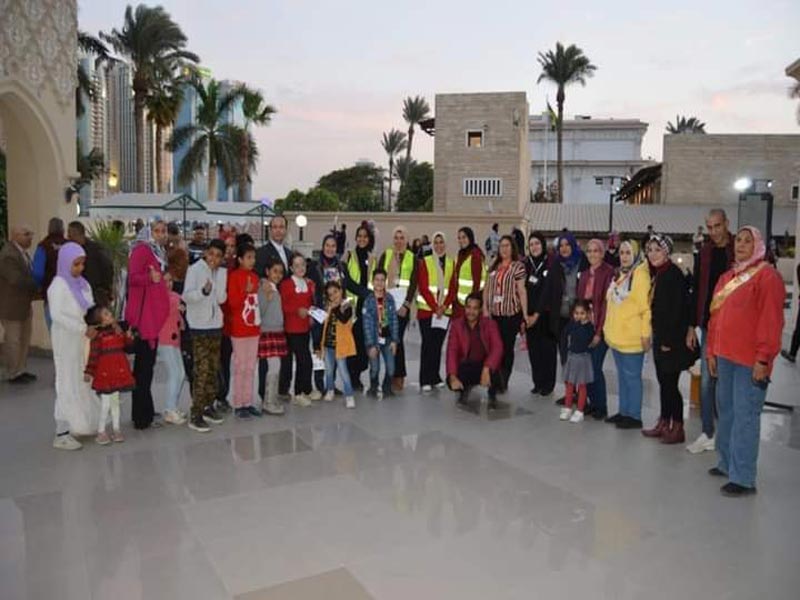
(503, 119)
(701, 169)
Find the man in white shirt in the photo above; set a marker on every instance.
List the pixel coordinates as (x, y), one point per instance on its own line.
(274, 248)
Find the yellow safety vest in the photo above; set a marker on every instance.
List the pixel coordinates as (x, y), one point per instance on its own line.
(465, 282)
(430, 264)
(406, 268)
(354, 271)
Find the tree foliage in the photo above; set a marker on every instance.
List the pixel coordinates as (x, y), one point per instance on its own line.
(358, 188)
(414, 110)
(315, 200)
(686, 125)
(416, 193)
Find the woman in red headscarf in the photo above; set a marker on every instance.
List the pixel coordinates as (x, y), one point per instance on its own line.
(744, 337)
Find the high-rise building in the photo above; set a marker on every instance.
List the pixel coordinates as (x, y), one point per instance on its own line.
(92, 131)
(121, 129)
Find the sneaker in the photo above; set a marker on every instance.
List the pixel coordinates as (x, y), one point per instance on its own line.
(629, 423)
(316, 396)
(701, 444)
(565, 414)
(379, 395)
(223, 406)
(301, 400)
(577, 417)
(284, 397)
(211, 416)
(788, 356)
(734, 490)
(117, 437)
(174, 417)
(66, 442)
(328, 397)
(598, 414)
(273, 408)
(613, 419)
(198, 423)
(242, 413)
(717, 472)
(102, 438)
(441, 385)
(350, 402)
(427, 389)
(254, 411)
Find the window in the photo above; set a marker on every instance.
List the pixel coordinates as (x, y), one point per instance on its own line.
(598, 181)
(475, 138)
(795, 192)
(483, 187)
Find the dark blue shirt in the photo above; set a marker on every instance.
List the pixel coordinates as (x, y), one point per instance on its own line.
(579, 336)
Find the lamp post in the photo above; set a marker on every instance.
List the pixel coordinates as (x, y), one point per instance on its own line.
(608, 185)
(301, 221)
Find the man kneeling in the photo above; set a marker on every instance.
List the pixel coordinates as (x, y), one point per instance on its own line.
(474, 352)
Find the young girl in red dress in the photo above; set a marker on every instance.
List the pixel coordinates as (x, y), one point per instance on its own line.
(108, 369)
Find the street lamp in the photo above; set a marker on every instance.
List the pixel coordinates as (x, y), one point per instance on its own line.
(608, 185)
(301, 221)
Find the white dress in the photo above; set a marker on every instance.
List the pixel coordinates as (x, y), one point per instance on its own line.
(76, 402)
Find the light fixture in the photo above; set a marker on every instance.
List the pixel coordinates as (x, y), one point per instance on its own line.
(742, 184)
(112, 180)
(301, 220)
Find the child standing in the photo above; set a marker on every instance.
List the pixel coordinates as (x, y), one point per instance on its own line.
(578, 370)
(272, 342)
(297, 297)
(108, 369)
(337, 342)
(245, 319)
(381, 335)
(169, 352)
(204, 292)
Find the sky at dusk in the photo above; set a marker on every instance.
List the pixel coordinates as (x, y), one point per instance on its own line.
(338, 71)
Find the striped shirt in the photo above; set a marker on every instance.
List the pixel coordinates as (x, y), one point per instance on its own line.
(502, 283)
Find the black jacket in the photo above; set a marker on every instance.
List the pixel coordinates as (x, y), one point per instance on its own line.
(99, 272)
(670, 318)
(267, 252)
(550, 298)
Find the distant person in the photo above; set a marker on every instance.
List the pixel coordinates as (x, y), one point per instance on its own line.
(697, 240)
(791, 354)
(492, 242)
(519, 240)
(45, 260)
(99, 270)
(612, 250)
(198, 244)
(341, 239)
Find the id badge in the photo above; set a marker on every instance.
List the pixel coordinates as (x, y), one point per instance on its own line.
(381, 341)
(533, 279)
(498, 299)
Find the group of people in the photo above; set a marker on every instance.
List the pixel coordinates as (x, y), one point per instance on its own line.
(217, 312)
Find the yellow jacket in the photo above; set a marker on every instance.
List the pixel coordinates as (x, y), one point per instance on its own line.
(628, 316)
(345, 340)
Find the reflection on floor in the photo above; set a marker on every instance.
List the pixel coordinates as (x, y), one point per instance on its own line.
(411, 497)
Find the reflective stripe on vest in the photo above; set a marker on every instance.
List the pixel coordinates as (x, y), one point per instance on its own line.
(430, 265)
(354, 271)
(406, 268)
(465, 282)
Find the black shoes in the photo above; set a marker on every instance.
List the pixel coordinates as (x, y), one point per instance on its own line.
(598, 414)
(629, 423)
(242, 413)
(212, 416)
(223, 406)
(536, 391)
(788, 356)
(199, 424)
(614, 419)
(23, 378)
(734, 490)
(462, 398)
(560, 401)
(717, 472)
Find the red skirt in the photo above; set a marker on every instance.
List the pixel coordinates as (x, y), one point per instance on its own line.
(272, 344)
(113, 374)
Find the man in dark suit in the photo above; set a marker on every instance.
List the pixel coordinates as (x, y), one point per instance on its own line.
(99, 269)
(18, 292)
(274, 248)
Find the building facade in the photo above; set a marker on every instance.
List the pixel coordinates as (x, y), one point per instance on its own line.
(593, 149)
(481, 153)
(121, 162)
(92, 131)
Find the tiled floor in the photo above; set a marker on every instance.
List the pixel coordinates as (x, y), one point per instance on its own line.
(411, 497)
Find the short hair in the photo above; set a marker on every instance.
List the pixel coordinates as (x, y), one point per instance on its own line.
(333, 284)
(719, 212)
(173, 229)
(243, 249)
(244, 238)
(495, 226)
(199, 227)
(272, 220)
(77, 227)
(272, 261)
(379, 271)
(92, 317)
(55, 226)
(217, 244)
(474, 297)
(583, 303)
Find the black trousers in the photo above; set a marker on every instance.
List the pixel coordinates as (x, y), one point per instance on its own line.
(562, 340)
(400, 357)
(358, 363)
(226, 352)
(670, 394)
(430, 357)
(795, 337)
(469, 373)
(144, 362)
(542, 354)
(298, 350)
(509, 328)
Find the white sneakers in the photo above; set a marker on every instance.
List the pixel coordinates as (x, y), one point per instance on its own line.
(66, 442)
(567, 414)
(701, 444)
(272, 408)
(301, 400)
(426, 389)
(350, 402)
(316, 396)
(174, 417)
(328, 396)
(441, 385)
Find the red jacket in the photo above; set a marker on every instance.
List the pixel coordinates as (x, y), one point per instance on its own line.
(108, 364)
(238, 296)
(423, 289)
(458, 344)
(747, 327)
(292, 301)
(602, 279)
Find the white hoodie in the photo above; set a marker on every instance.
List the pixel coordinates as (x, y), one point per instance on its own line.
(204, 312)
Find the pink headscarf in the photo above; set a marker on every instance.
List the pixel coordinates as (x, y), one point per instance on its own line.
(759, 249)
(599, 243)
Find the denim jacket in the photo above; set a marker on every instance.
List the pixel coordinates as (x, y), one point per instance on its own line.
(371, 325)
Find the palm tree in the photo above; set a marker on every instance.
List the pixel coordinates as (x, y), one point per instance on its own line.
(90, 45)
(256, 112)
(150, 39)
(686, 125)
(564, 67)
(414, 110)
(402, 166)
(163, 105)
(213, 142)
(393, 143)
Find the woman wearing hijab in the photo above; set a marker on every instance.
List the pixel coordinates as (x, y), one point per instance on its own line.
(69, 297)
(470, 270)
(593, 284)
(670, 316)
(744, 337)
(542, 346)
(627, 331)
(327, 268)
(434, 299)
(358, 268)
(559, 292)
(146, 311)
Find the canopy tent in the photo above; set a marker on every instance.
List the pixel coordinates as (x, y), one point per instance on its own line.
(238, 212)
(169, 207)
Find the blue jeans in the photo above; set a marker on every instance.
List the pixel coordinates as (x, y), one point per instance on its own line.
(172, 359)
(597, 389)
(333, 364)
(629, 374)
(384, 350)
(740, 402)
(708, 385)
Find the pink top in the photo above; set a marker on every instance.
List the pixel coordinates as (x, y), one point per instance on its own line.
(170, 334)
(148, 303)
